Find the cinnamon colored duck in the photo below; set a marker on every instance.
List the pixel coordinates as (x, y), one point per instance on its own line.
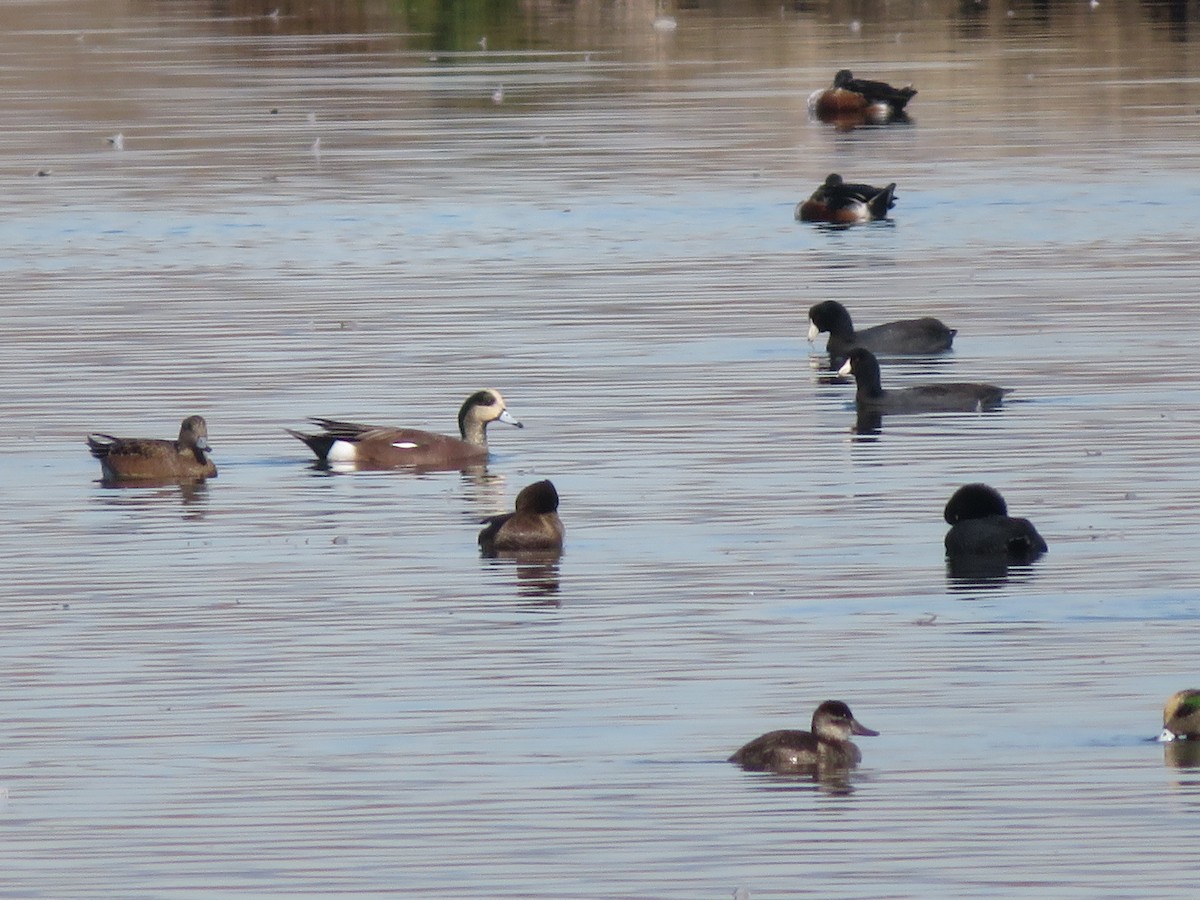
(851, 100)
(840, 202)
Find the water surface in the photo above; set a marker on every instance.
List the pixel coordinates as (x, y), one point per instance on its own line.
(288, 682)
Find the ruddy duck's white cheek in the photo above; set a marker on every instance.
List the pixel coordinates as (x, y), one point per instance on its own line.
(342, 451)
(812, 331)
(404, 445)
(845, 369)
(1167, 735)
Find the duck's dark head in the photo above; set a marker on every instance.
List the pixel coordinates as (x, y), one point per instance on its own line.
(974, 501)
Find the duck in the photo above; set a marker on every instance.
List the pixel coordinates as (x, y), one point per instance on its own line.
(384, 447)
(534, 525)
(949, 397)
(839, 202)
(827, 746)
(1181, 717)
(980, 526)
(876, 101)
(918, 337)
(153, 460)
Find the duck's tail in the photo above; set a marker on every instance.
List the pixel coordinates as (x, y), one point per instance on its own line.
(317, 443)
(882, 202)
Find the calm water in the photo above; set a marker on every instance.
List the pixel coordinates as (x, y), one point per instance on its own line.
(285, 682)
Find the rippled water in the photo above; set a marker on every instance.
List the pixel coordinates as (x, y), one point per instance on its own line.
(287, 682)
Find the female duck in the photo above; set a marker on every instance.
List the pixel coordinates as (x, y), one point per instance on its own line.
(381, 447)
(849, 96)
(534, 526)
(980, 526)
(919, 337)
(950, 397)
(151, 459)
(827, 746)
(1181, 717)
(841, 203)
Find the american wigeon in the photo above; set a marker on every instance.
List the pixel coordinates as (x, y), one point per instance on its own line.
(151, 459)
(383, 447)
(981, 526)
(949, 397)
(851, 100)
(828, 745)
(915, 337)
(1181, 717)
(839, 202)
(534, 525)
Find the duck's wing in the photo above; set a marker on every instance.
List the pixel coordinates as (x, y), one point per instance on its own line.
(492, 526)
(882, 91)
(346, 431)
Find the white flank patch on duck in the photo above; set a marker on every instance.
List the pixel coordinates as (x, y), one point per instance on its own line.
(342, 451)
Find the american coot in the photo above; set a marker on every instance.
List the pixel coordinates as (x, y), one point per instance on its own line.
(828, 745)
(841, 203)
(150, 459)
(534, 525)
(849, 95)
(920, 337)
(376, 446)
(949, 397)
(981, 527)
(1181, 717)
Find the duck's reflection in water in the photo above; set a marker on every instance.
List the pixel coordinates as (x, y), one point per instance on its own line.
(537, 573)
(1182, 754)
(192, 495)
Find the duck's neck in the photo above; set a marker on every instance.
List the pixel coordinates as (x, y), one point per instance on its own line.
(869, 389)
(474, 431)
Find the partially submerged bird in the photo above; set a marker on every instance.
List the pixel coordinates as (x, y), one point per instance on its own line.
(153, 460)
(827, 746)
(980, 526)
(534, 525)
(917, 337)
(1181, 717)
(383, 447)
(948, 397)
(874, 101)
(839, 202)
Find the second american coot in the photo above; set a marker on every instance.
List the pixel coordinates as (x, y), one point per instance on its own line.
(946, 397)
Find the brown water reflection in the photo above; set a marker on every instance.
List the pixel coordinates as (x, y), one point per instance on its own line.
(291, 682)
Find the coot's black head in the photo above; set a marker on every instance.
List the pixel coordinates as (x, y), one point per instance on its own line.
(974, 501)
(831, 316)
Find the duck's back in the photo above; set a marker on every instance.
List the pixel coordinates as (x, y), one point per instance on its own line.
(905, 337)
(522, 531)
(951, 397)
(386, 447)
(147, 459)
(794, 751)
(1006, 536)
